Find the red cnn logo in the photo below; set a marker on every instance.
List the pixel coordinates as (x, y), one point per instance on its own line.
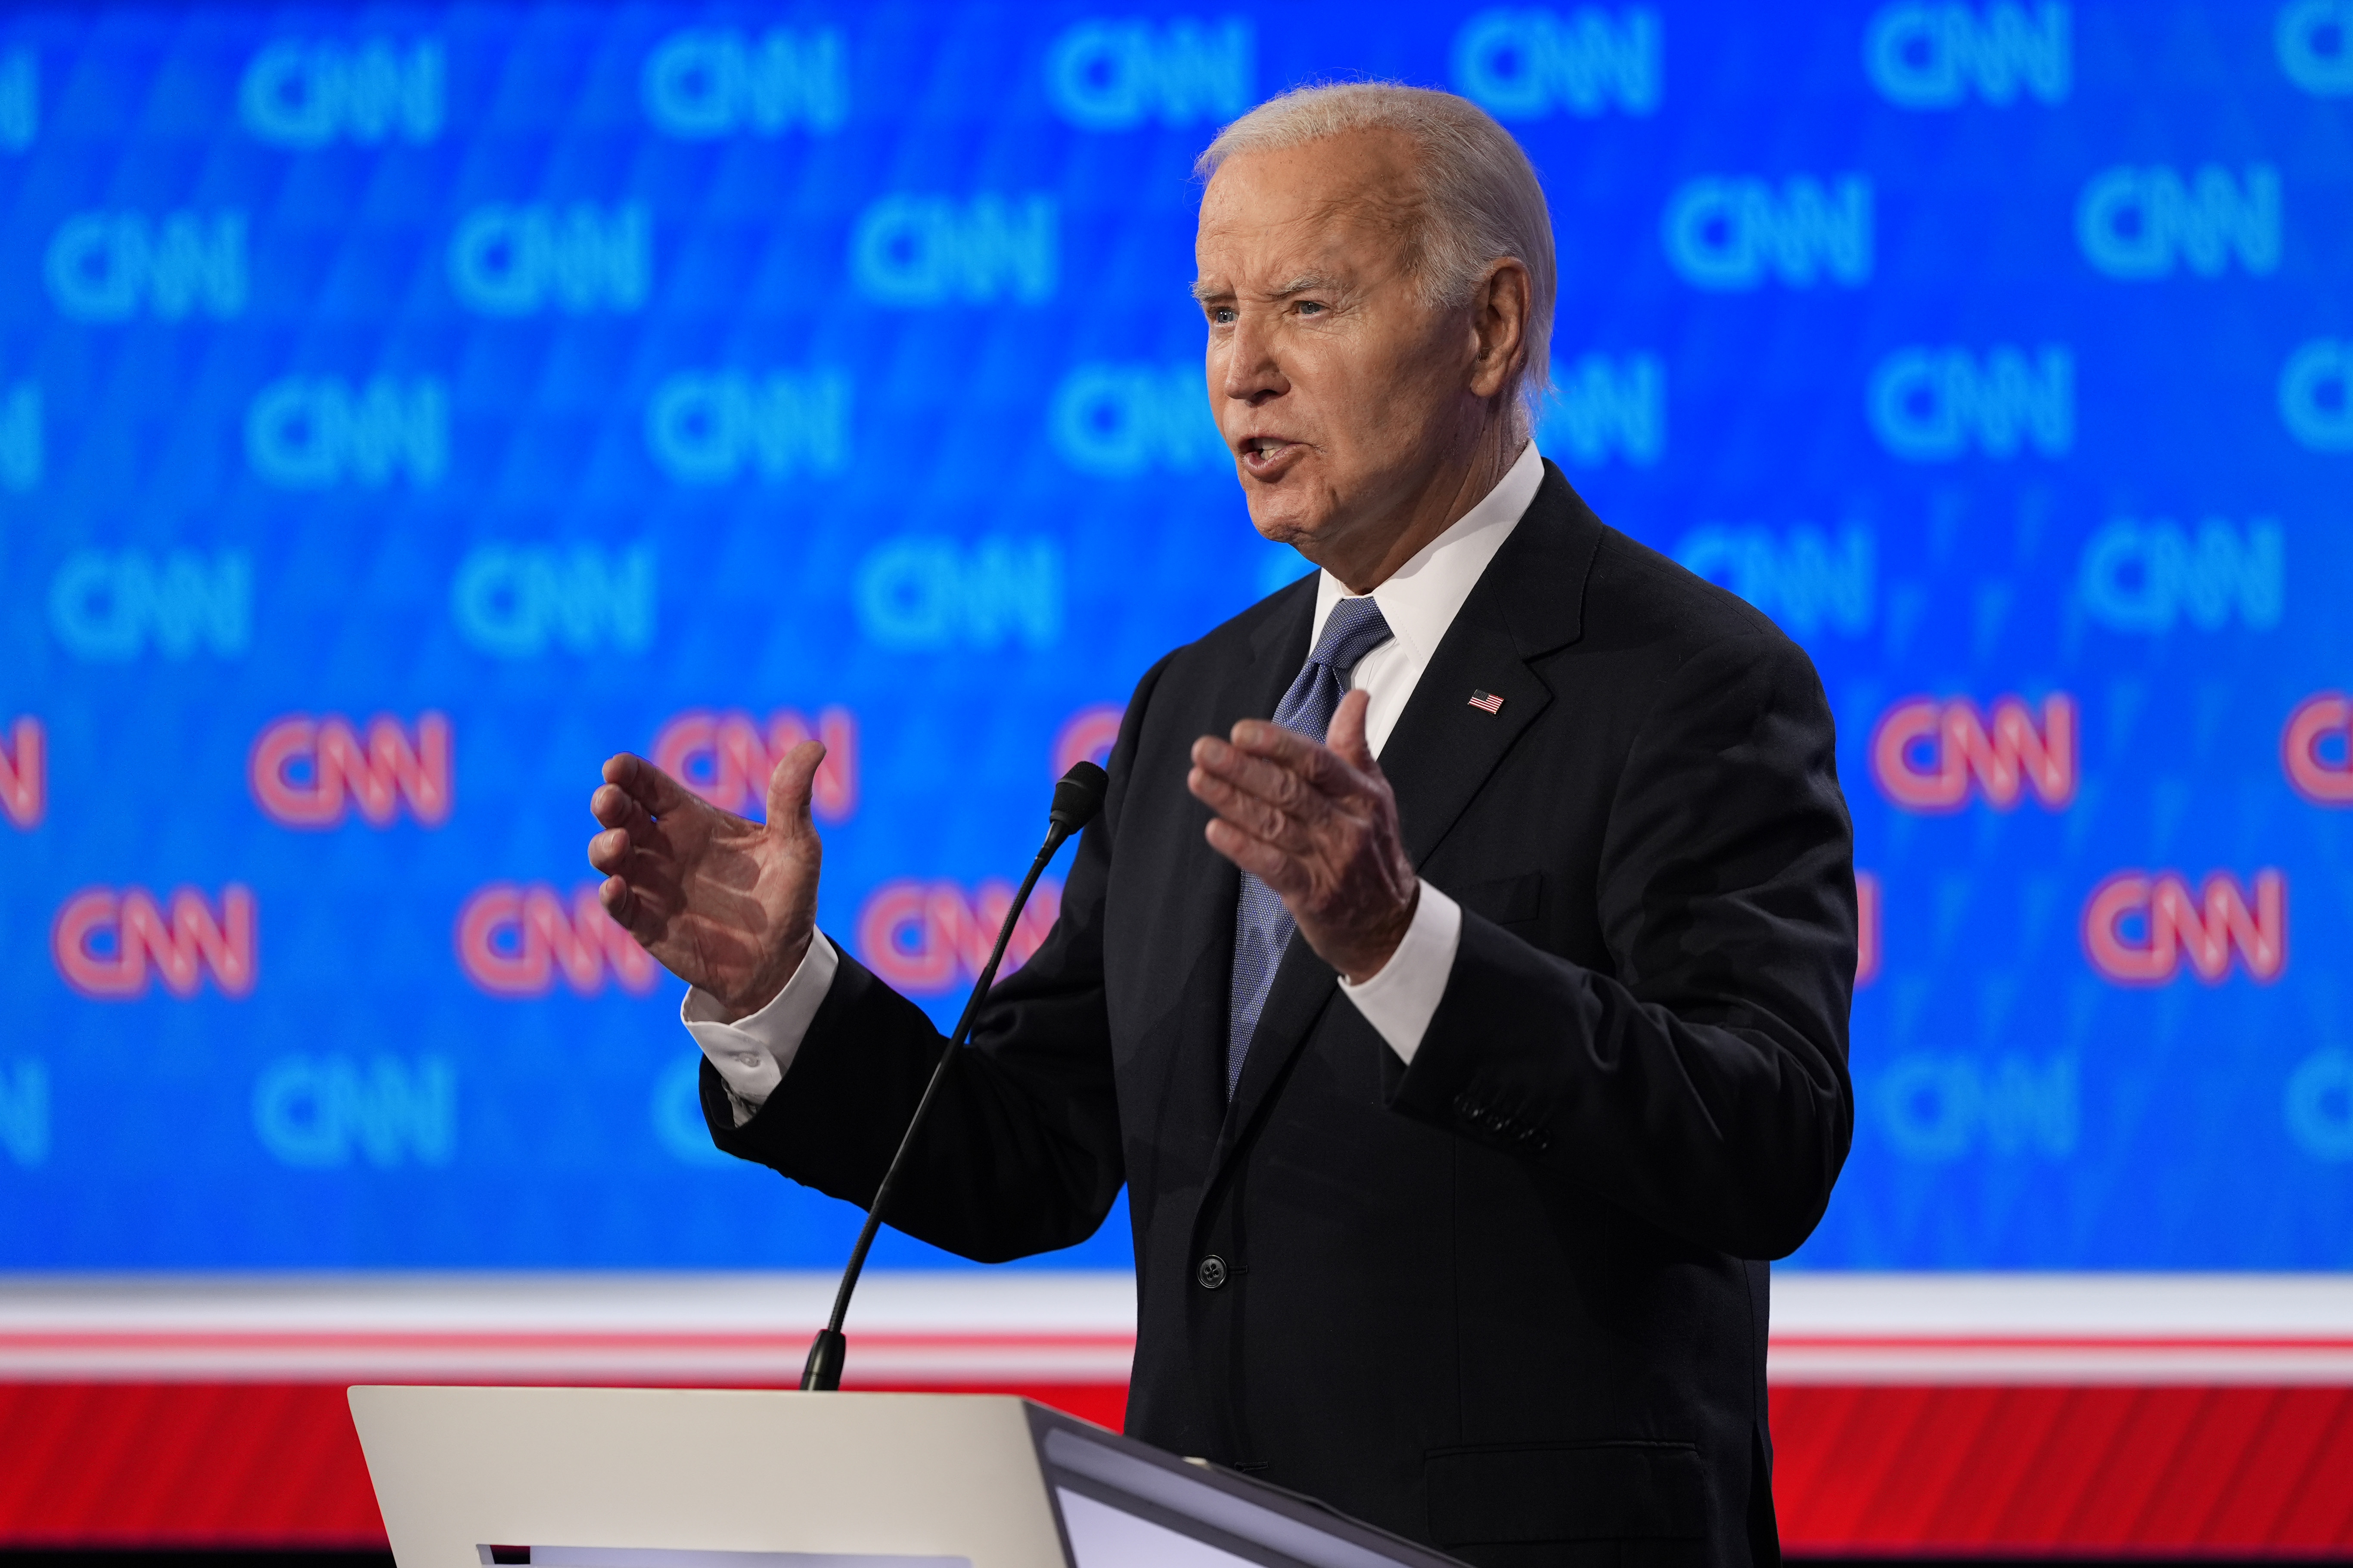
(1926, 754)
(105, 943)
(1087, 736)
(1867, 928)
(25, 774)
(309, 772)
(2139, 926)
(727, 759)
(920, 936)
(513, 940)
(2316, 749)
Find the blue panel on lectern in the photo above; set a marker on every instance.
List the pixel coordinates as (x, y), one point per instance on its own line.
(402, 408)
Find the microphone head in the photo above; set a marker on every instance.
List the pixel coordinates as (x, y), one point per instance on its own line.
(1078, 796)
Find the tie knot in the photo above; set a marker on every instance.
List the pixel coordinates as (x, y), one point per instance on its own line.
(1355, 630)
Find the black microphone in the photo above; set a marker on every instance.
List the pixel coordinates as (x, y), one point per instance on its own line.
(1077, 798)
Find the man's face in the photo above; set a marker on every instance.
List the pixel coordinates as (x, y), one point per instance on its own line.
(1338, 390)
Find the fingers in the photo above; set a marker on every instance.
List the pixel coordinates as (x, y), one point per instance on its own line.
(632, 852)
(628, 867)
(1287, 873)
(628, 833)
(1250, 812)
(609, 850)
(647, 784)
(1318, 764)
(1306, 781)
(636, 913)
(1277, 786)
(614, 807)
(791, 784)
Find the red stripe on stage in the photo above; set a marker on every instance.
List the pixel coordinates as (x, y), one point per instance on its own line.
(1963, 1471)
(1878, 1470)
(182, 1465)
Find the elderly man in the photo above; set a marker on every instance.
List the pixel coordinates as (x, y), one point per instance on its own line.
(1458, 973)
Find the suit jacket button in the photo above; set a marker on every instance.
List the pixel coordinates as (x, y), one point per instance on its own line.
(1212, 1272)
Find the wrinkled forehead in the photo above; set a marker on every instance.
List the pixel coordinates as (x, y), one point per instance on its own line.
(1343, 202)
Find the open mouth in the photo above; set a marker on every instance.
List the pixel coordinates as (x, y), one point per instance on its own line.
(1266, 455)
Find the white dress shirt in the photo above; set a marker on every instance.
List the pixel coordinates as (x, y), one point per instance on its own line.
(1419, 602)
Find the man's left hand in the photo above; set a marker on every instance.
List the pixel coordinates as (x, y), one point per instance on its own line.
(1319, 826)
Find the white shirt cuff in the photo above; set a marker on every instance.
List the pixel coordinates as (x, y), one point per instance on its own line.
(752, 1054)
(1400, 1000)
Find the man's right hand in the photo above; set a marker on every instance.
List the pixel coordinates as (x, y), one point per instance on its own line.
(727, 905)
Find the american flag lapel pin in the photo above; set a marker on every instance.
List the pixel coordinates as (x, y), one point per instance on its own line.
(1486, 703)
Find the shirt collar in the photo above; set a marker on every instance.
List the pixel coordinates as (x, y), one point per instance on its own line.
(1420, 599)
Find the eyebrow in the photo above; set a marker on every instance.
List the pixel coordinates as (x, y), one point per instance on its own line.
(1306, 282)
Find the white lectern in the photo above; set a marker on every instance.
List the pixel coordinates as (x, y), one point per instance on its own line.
(630, 1478)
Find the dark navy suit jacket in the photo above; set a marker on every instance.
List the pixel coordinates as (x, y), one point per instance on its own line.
(1512, 1299)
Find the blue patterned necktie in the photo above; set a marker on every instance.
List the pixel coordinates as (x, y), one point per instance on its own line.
(1263, 927)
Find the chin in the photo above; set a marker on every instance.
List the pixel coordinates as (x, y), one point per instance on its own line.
(1282, 525)
(1286, 513)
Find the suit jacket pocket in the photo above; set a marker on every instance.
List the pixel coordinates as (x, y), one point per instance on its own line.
(1567, 1491)
(1507, 901)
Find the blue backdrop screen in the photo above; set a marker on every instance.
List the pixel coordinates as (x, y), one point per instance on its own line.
(403, 408)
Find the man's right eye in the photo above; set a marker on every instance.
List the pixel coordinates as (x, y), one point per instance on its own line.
(1222, 316)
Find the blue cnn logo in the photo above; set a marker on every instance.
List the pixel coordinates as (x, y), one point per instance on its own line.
(711, 82)
(319, 1114)
(2135, 224)
(1729, 234)
(1934, 55)
(2315, 394)
(310, 433)
(516, 600)
(21, 449)
(25, 1112)
(574, 260)
(707, 427)
(1104, 75)
(1121, 420)
(302, 94)
(2148, 577)
(2315, 42)
(1527, 63)
(2319, 1105)
(1935, 1108)
(1807, 579)
(1603, 406)
(20, 99)
(111, 266)
(1934, 404)
(921, 251)
(930, 596)
(109, 606)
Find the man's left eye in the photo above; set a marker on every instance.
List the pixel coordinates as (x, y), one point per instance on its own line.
(1311, 307)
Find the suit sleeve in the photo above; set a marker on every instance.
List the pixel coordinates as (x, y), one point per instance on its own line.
(1020, 1154)
(1703, 1084)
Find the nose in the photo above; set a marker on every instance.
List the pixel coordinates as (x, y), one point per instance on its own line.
(1251, 374)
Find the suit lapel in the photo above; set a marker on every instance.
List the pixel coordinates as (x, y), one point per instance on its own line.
(1211, 883)
(1528, 601)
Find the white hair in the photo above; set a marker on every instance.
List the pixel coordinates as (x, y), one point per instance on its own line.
(1478, 202)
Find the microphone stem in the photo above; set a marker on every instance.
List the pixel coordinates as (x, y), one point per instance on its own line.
(823, 1372)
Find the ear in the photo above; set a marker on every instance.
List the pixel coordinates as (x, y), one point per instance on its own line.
(1500, 307)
